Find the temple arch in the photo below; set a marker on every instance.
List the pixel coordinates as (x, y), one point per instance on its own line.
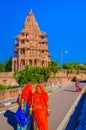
(22, 64)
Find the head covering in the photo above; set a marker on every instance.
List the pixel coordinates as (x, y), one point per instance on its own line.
(28, 86)
(41, 87)
(27, 93)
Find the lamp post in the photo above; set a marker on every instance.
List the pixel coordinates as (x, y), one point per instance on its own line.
(61, 58)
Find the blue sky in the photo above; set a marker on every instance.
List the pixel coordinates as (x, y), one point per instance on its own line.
(64, 21)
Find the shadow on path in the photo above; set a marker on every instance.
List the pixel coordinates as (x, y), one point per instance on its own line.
(82, 81)
(70, 90)
(73, 121)
(11, 118)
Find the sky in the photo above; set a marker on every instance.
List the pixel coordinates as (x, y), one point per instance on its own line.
(64, 21)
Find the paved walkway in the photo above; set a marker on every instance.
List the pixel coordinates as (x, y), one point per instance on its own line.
(62, 103)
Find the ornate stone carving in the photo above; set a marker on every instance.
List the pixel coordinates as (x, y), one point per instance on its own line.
(30, 46)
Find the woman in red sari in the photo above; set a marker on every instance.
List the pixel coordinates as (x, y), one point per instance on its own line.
(27, 95)
(78, 88)
(40, 107)
(26, 101)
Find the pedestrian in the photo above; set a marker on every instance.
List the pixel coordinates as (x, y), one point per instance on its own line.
(26, 97)
(19, 100)
(40, 108)
(26, 101)
(77, 85)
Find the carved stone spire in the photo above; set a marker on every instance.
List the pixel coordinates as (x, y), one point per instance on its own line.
(30, 45)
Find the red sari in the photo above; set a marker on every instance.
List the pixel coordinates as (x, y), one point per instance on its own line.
(26, 101)
(78, 89)
(27, 94)
(40, 109)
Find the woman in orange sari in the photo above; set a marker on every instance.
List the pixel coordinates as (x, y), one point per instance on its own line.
(40, 107)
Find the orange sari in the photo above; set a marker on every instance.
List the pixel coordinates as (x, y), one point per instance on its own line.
(40, 109)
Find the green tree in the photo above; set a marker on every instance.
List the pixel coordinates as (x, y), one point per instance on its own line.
(74, 67)
(71, 65)
(18, 77)
(45, 72)
(53, 67)
(8, 65)
(2, 67)
(53, 63)
(32, 74)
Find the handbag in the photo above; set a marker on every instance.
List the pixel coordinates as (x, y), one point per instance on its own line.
(22, 117)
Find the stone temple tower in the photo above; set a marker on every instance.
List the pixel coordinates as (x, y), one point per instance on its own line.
(31, 46)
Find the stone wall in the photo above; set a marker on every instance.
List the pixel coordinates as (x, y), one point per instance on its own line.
(59, 80)
(9, 93)
(62, 77)
(80, 76)
(12, 93)
(6, 78)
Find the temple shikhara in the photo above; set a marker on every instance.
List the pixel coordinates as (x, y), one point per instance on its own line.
(31, 46)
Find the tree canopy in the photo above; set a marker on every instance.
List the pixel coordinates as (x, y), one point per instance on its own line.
(73, 66)
(7, 66)
(35, 74)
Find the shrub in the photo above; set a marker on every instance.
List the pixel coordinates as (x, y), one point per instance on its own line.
(4, 87)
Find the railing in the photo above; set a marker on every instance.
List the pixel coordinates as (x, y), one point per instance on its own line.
(52, 87)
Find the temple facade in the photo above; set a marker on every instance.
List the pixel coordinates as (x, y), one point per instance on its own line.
(31, 46)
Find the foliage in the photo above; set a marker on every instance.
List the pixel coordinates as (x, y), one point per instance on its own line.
(3, 87)
(8, 65)
(35, 74)
(32, 74)
(73, 66)
(2, 67)
(53, 67)
(53, 63)
(46, 73)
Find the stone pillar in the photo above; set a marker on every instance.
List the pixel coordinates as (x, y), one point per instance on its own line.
(19, 64)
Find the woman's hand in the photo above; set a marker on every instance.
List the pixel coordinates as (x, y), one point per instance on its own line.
(22, 106)
(31, 111)
(48, 111)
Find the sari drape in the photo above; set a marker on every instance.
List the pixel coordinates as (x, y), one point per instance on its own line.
(27, 94)
(40, 109)
(26, 98)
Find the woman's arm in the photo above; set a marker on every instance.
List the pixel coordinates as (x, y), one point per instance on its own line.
(48, 109)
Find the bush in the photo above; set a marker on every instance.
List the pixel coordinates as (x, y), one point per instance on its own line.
(4, 87)
(85, 92)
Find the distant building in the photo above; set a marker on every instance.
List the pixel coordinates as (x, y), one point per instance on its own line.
(31, 46)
